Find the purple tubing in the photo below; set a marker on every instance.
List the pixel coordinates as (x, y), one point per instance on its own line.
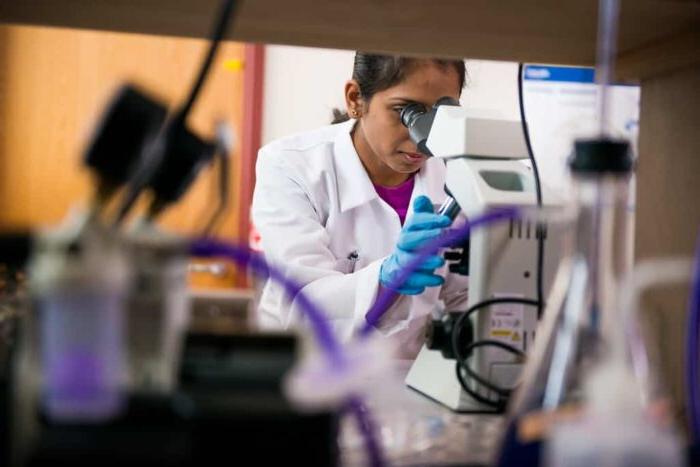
(245, 257)
(206, 247)
(692, 348)
(368, 430)
(449, 237)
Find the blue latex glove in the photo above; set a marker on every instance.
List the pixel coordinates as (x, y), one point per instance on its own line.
(419, 229)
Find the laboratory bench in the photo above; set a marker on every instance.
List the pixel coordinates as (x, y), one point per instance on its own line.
(419, 431)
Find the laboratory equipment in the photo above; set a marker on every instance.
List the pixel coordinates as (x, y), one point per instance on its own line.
(158, 306)
(482, 152)
(191, 390)
(106, 367)
(625, 419)
(580, 378)
(157, 309)
(79, 288)
(130, 123)
(172, 161)
(79, 277)
(614, 429)
(581, 320)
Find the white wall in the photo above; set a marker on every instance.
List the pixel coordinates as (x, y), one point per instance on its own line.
(492, 86)
(303, 85)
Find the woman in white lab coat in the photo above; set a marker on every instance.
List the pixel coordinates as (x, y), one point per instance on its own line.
(337, 207)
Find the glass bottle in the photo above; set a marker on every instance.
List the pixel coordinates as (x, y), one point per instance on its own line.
(580, 319)
(79, 285)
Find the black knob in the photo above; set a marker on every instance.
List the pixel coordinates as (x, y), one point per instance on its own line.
(438, 334)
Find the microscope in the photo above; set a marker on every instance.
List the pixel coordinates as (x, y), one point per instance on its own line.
(483, 154)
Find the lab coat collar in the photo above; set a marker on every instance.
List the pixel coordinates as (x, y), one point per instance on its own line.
(354, 185)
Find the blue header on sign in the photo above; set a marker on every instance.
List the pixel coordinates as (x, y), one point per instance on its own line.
(559, 73)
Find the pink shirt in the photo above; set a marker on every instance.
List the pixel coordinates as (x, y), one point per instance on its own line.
(398, 197)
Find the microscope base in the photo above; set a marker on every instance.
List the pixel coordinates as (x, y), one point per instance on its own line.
(433, 376)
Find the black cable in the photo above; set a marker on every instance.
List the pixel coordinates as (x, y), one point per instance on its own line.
(498, 405)
(462, 357)
(538, 191)
(479, 379)
(526, 131)
(154, 157)
(459, 324)
(224, 19)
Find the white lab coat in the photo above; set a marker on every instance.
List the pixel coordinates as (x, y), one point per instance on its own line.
(321, 220)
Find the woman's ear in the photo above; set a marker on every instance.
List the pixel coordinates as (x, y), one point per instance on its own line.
(354, 102)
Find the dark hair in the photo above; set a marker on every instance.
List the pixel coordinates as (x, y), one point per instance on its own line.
(374, 73)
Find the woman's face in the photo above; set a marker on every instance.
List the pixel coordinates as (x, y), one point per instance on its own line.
(380, 138)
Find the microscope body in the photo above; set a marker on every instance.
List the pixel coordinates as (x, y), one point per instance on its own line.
(481, 153)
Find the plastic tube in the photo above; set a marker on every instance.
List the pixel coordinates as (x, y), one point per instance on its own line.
(368, 430)
(645, 275)
(608, 13)
(450, 237)
(692, 349)
(206, 247)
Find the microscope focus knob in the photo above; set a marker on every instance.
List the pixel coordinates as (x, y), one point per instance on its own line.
(438, 334)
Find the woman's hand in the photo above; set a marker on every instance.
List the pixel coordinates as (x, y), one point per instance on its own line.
(419, 229)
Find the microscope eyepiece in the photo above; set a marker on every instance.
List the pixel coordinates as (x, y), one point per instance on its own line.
(411, 112)
(419, 120)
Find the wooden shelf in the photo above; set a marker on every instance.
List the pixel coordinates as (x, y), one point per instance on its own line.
(546, 31)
